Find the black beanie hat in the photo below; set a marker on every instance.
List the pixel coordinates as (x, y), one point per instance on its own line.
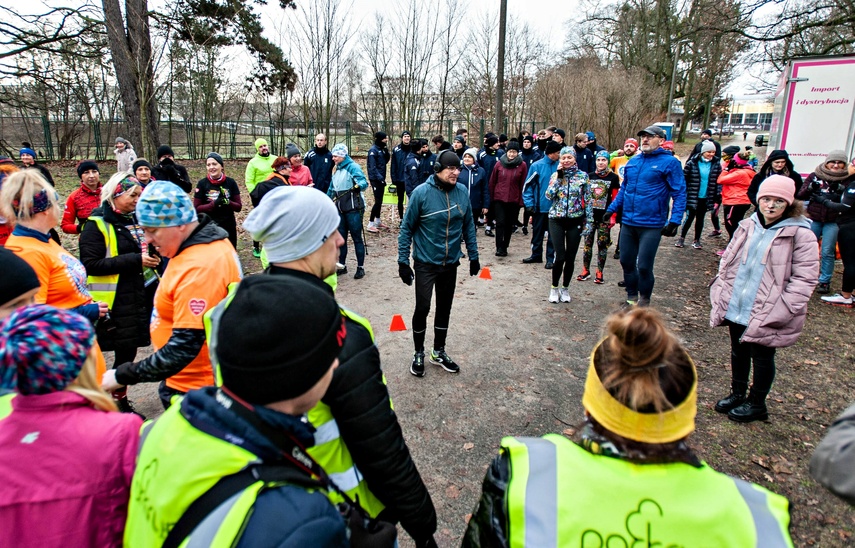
(491, 140)
(18, 276)
(460, 139)
(503, 138)
(140, 163)
(777, 154)
(379, 136)
(217, 158)
(513, 145)
(528, 138)
(553, 147)
(405, 132)
(280, 336)
(164, 150)
(448, 158)
(86, 165)
(731, 150)
(560, 132)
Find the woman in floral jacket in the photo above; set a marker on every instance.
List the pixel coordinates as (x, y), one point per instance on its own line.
(569, 215)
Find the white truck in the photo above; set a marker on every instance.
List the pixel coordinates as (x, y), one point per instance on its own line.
(815, 110)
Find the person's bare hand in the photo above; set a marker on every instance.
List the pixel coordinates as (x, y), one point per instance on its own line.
(108, 381)
(102, 309)
(149, 261)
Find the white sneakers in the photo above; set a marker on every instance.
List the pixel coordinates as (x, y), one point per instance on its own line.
(839, 299)
(371, 227)
(559, 295)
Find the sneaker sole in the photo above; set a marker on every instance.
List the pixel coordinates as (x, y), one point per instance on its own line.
(443, 366)
(763, 417)
(415, 374)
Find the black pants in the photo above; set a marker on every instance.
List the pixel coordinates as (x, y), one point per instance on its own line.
(401, 191)
(506, 215)
(695, 214)
(166, 393)
(428, 277)
(539, 223)
(378, 188)
(732, 215)
(565, 235)
(742, 354)
(846, 242)
(120, 356)
(639, 246)
(714, 217)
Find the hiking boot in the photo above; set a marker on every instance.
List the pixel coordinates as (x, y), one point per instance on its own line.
(341, 271)
(679, 242)
(360, 273)
(838, 299)
(554, 296)
(734, 399)
(585, 275)
(753, 409)
(697, 245)
(598, 279)
(823, 288)
(532, 259)
(417, 368)
(715, 234)
(125, 406)
(564, 295)
(501, 253)
(256, 252)
(440, 358)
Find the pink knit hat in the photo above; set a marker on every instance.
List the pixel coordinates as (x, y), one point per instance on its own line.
(778, 186)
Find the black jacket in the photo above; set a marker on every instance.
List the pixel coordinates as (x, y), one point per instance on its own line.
(378, 157)
(131, 309)
(360, 404)
(167, 170)
(692, 173)
(399, 162)
(767, 171)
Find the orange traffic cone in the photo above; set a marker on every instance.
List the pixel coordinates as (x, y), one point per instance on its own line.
(485, 274)
(397, 323)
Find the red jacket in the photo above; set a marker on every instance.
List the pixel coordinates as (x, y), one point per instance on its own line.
(734, 185)
(506, 184)
(78, 207)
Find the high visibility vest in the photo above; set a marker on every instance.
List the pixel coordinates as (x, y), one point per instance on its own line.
(177, 464)
(560, 495)
(103, 288)
(329, 450)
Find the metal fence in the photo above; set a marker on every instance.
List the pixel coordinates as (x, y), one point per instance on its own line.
(62, 139)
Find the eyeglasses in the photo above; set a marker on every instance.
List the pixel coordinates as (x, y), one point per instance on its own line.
(776, 203)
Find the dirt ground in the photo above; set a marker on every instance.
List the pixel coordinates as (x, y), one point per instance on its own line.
(523, 364)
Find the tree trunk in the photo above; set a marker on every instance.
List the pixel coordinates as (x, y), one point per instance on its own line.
(132, 58)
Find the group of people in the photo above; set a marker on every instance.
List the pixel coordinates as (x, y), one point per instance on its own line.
(304, 417)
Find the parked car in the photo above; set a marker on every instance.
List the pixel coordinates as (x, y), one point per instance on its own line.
(761, 140)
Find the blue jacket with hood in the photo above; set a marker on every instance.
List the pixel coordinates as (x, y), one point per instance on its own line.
(536, 183)
(378, 157)
(650, 181)
(474, 180)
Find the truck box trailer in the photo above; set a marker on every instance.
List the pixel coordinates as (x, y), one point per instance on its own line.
(815, 110)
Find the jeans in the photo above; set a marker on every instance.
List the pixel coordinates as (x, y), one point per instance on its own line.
(742, 354)
(506, 214)
(428, 277)
(565, 235)
(638, 247)
(378, 188)
(352, 223)
(827, 232)
(538, 229)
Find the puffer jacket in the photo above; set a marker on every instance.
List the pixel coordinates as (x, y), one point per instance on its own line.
(734, 185)
(474, 180)
(650, 181)
(435, 223)
(536, 183)
(790, 269)
(692, 173)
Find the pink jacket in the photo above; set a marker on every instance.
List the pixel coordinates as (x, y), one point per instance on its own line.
(65, 471)
(789, 277)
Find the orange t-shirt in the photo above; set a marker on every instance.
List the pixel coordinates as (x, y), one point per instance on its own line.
(196, 280)
(618, 163)
(61, 276)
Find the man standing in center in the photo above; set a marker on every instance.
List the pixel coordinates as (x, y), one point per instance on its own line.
(378, 157)
(438, 217)
(651, 180)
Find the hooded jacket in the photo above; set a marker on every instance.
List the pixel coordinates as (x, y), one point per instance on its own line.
(507, 180)
(399, 162)
(536, 183)
(347, 174)
(435, 223)
(766, 171)
(125, 158)
(168, 170)
(650, 181)
(734, 185)
(813, 188)
(378, 157)
(487, 158)
(320, 163)
(257, 170)
(765, 279)
(474, 180)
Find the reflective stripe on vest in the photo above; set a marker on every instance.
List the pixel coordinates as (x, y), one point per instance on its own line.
(103, 288)
(559, 494)
(223, 526)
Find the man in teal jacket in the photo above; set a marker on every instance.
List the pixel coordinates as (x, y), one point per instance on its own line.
(438, 216)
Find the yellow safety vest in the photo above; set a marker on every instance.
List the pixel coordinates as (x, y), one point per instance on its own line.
(103, 288)
(561, 495)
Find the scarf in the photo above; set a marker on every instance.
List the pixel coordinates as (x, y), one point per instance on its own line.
(511, 163)
(219, 181)
(604, 172)
(829, 176)
(596, 442)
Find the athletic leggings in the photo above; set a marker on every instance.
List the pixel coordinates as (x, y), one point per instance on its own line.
(565, 235)
(695, 214)
(401, 191)
(428, 277)
(714, 217)
(603, 234)
(378, 188)
(732, 215)
(742, 354)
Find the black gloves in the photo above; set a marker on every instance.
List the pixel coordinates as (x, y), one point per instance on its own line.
(406, 273)
(474, 267)
(223, 199)
(670, 229)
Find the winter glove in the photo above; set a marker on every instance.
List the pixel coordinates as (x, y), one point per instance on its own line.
(529, 211)
(474, 267)
(223, 200)
(406, 273)
(670, 230)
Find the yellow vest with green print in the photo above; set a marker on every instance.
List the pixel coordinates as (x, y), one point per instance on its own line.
(103, 288)
(168, 479)
(559, 495)
(329, 449)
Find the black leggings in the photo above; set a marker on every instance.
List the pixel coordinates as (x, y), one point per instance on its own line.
(565, 232)
(378, 188)
(846, 241)
(716, 224)
(742, 354)
(120, 356)
(732, 215)
(401, 190)
(506, 214)
(443, 278)
(695, 214)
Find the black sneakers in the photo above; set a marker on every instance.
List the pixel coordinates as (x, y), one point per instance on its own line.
(417, 368)
(440, 358)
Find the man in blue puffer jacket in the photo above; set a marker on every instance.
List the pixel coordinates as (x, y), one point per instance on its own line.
(537, 204)
(438, 217)
(651, 180)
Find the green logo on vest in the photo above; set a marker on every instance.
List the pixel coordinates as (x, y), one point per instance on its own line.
(639, 525)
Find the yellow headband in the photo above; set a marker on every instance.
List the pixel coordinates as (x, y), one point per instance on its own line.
(668, 426)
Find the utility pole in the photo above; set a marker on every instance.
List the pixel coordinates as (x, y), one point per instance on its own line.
(500, 73)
